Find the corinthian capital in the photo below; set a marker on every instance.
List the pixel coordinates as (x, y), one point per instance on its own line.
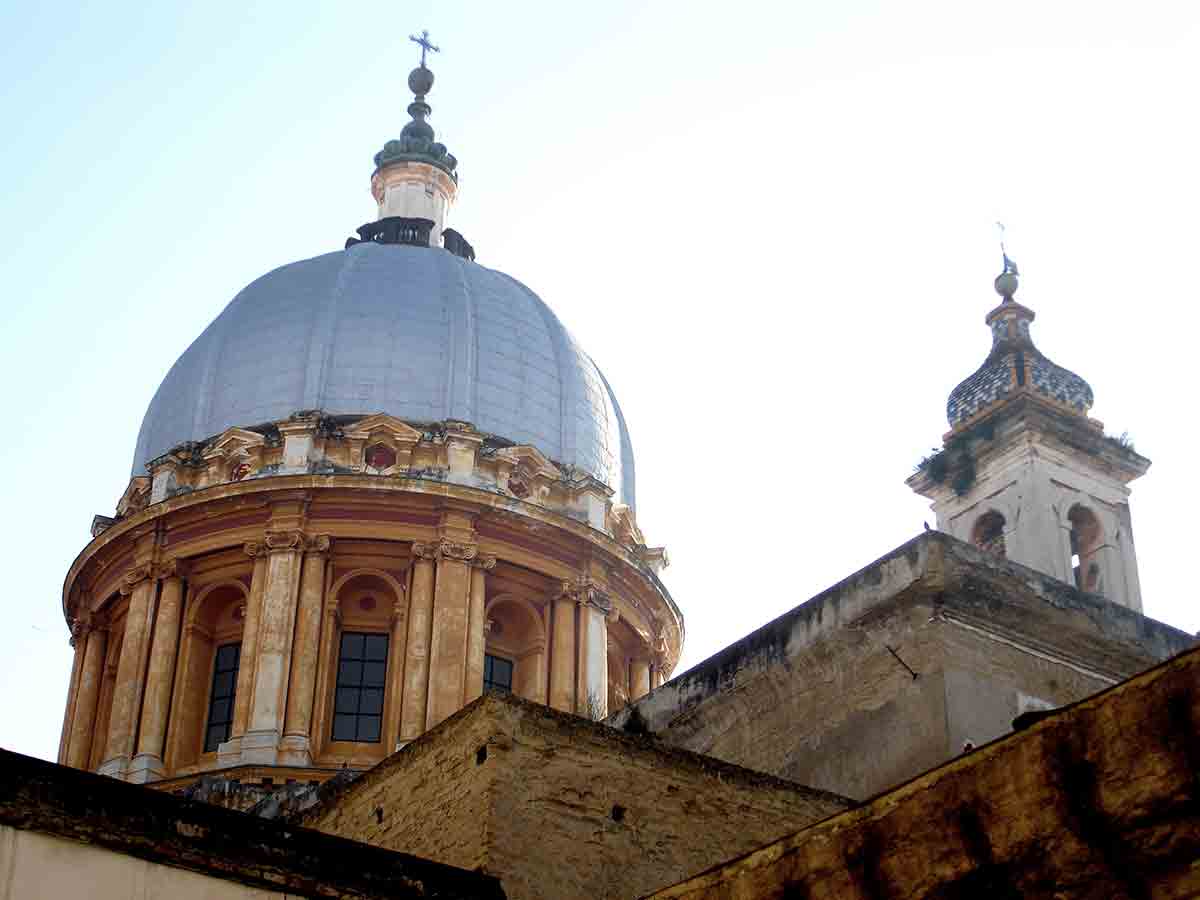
(445, 549)
(134, 577)
(484, 561)
(584, 591)
(170, 568)
(283, 541)
(317, 543)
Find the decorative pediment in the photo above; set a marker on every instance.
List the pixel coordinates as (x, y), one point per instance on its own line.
(625, 528)
(529, 461)
(136, 496)
(380, 425)
(234, 442)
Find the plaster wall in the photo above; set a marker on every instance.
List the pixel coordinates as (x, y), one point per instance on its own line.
(34, 865)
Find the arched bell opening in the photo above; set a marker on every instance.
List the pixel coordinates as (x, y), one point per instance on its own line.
(515, 648)
(988, 534)
(1087, 537)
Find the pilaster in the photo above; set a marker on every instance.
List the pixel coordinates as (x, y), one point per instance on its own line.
(451, 613)
(296, 747)
(477, 627)
(420, 619)
(92, 640)
(139, 586)
(147, 765)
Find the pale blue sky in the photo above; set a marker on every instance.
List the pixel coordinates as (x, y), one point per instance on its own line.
(769, 223)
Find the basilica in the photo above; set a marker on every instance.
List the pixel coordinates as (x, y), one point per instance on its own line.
(374, 617)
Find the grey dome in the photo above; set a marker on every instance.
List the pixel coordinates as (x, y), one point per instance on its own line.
(415, 332)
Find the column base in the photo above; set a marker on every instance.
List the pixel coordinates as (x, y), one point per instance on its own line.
(230, 752)
(144, 768)
(260, 748)
(295, 750)
(115, 767)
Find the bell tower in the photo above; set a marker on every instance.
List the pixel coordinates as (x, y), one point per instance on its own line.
(1025, 473)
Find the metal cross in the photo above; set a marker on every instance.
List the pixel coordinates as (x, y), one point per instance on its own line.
(423, 43)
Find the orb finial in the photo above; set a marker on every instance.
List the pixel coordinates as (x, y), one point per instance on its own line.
(1007, 281)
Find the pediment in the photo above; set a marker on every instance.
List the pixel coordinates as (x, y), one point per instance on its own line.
(231, 440)
(531, 460)
(383, 424)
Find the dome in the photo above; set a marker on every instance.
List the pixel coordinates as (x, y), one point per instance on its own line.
(1015, 365)
(415, 332)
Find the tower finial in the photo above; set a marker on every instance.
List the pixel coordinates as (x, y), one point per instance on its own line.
(1006, 281)
(423, 43)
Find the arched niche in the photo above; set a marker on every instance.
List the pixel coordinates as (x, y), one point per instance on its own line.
(988, 533)
(516, 632)
(361, 693)
(213, 620)
(1087, 537)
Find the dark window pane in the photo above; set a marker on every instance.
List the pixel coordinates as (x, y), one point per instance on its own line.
(372, 701)
(221, 697)
(344, 728)
(359, 693)
(350, 673)
(220, 711)
(373, 673)
(497, 673)
(352, 645)
(223, 684)
(376, 647)
(368, 728)
(347, 700)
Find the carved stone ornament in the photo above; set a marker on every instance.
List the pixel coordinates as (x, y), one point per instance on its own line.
(283, 541)
(584, 591)
(170, 568)
(134, 577)
(255, 548)
(447, 550)
(485, 562)
(317, 543)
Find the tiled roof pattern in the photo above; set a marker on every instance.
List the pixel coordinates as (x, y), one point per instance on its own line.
(418, 333)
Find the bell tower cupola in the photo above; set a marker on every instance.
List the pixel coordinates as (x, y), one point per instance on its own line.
(1025, 473)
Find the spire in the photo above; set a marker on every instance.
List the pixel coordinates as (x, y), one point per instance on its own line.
(416, 142)
(1015, 366)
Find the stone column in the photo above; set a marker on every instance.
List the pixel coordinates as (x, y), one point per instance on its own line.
(296, 747)
(477, 627)
(147, 765)
(87, 695)
(416, 669)
(562, 651)
(594, 608)
(139, 586)
(448, 639)
(639, 678)
(272, 665)
(230, 752)
(78, 642)
(394, 693)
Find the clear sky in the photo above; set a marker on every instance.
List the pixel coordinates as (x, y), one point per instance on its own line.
(769, 223)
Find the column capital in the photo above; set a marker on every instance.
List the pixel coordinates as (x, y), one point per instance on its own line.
(135, 576)
(584, 591)
(317, 543)
(447, 549)
(172, 567)
(484, 561)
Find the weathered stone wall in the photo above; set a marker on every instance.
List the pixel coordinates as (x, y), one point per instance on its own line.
(826, 694)
(1095, 801)
(559, 807)
(68, 833)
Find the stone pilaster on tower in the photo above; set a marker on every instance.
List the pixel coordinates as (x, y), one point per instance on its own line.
(1025, 473)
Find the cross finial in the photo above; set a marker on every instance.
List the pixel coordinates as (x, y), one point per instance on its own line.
(423, 43)
(1009, 265)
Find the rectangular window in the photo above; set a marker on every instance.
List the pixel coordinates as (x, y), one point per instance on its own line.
(362, 675)
(224, 686)
(497, 673)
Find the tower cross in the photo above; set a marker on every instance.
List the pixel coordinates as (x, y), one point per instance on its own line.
(423, 43)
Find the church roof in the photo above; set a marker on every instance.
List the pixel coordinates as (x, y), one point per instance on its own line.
(416, 332)
(1014, 365)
